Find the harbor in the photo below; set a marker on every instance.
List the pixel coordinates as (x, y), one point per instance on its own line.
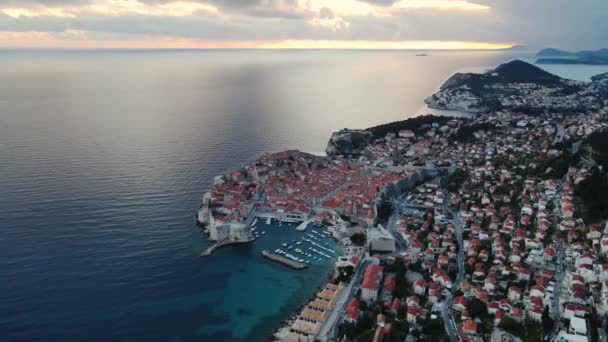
(313, 244)
(284, 260)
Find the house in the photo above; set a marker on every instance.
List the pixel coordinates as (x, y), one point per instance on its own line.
(371, 283)
(395, 306)
(536, 309)
(420, 287)
(352, 310)
(578, 326)
(493, 307)
(514, 294)
(380, 240)
(413, 312)
(388, 287)
(434, 292)
(460, 303)
(469, 327)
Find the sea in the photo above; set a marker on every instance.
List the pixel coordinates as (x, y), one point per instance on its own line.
(105, 155)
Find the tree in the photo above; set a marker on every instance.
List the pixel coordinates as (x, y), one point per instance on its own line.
(477, 308)
(358, 239)
(547, 321)
(511, 326)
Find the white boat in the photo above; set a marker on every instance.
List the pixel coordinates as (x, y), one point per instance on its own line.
(284, 244)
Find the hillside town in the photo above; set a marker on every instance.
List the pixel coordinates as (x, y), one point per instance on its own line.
(460, 229)
(494, 250)
(519, 86)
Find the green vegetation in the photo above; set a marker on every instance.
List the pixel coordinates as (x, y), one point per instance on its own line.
(555, 167)
(529, 331)
(358, 239)
(344, 274)
(547, 322)
(511, 326)
(598, 141)
(399, 270)
(454, 181)
(592, 190)
(418, 124)
(434, 330)
(398, 332)
(477, 308)
(466, 133)
(385, 210)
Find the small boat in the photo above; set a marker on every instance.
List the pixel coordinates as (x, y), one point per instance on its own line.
(284, 244)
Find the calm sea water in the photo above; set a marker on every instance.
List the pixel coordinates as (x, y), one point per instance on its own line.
(104, 158)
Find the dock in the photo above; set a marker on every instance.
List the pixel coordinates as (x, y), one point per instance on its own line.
(283, 260)
(303, 225)
(212, 248)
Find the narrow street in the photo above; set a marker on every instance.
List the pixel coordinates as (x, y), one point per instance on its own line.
(446, 313)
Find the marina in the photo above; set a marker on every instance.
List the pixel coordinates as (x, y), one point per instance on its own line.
(313, 244)
(284, 260)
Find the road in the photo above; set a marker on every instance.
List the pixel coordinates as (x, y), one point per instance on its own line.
(329, 330)
(400, 243)
(560, 265)
(446, 312)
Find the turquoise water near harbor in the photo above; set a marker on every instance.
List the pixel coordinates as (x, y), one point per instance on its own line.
(104, 157)
(271, 288)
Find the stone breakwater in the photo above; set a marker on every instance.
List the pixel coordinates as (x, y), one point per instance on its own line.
(283, 260)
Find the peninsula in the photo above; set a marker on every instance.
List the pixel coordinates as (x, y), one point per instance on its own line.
(554, 56)
(492, 227)
(518, 86)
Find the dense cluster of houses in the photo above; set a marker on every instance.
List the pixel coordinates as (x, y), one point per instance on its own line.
(293, 185)
(528, 256)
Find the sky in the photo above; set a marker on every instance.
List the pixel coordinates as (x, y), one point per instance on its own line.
(336, 24)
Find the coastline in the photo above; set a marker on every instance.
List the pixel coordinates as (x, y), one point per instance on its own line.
(425, 109)
(422, 111)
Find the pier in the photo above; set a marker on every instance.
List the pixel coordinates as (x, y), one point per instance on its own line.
(302, 226)
(211, 249)
(283, 260)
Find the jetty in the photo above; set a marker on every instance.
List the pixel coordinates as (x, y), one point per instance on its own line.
(302, 226)
(212, 248)
(283, 260)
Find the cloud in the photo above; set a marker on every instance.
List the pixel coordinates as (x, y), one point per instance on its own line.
(446, 5)
(327, 19)
(560, 23)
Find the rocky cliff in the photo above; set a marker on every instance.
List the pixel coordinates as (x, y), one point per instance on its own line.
(348, 142)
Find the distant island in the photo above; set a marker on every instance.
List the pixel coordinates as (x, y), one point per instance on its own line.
(555, 56)
(519, 86)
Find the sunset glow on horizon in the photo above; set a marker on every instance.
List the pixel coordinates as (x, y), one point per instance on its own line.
(290, 24)
(75, 39)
